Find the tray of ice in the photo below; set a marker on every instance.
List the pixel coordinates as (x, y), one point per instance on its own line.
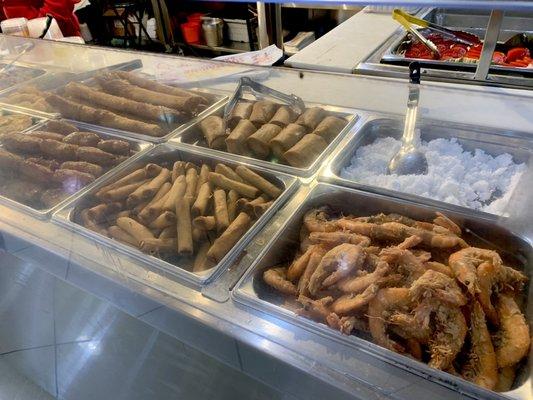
(468, 167)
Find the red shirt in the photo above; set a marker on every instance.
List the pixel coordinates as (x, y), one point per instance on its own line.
(61, 10)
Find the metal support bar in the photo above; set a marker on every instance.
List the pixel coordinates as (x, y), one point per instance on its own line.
(278, 25)
(262, 23)
(489, 45)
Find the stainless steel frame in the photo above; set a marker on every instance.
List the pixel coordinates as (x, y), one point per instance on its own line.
(493, 142)
(251, 291)
(162, 153)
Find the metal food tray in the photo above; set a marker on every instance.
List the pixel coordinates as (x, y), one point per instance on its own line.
(35, 72)
(194, 137)
(45, 213)
(377, 126)
(162, 153)
(251, 290)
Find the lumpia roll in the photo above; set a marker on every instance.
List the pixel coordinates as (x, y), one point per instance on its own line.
(158, 246)
(258, 142)
(191, 179)
(236, 141)
(248, 205)
(120, 193)
(228, 172)
(258, 181)
(124, 213)
(303, 153)
(201, 262)
(199, 235)
(184, 226)
(101, 212)
(262, 112)
(214, 131)
(284, 116)
(135, 176)
(149, 189)
(242, 110)
(121, 235)
(163, 190)
(330, 127)
(206, 223)
(134, 228)
(311, 117)
(82, 166)
(203, 177)
(89, 223)
(152, 170)
(201, 204)
(178, 169)
(168, 232)
(225, 183)
(288, 137)
(229, 238)
(259, 209)
(167, 218)
(176, 191)
(221, 210)
(232, 198)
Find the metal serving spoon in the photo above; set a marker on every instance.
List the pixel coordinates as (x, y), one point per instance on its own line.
(409, 159)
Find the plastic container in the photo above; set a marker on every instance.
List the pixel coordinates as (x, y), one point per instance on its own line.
(37, 26)
(191, 31)
(15, 27)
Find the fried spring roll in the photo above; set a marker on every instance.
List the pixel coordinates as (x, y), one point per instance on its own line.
(284, 116)
(158, 246)
(214, 132)
(203, 177)
(201, 204)
(72, 180)
(228, 172)
(168, 218)
(311, 117)
(303, 153)
(82, 166)
(143, 214)
(168, 232)
(152, 170)
(242, 110)
(149, 189)
(184, 226)
(101, 212)
(259, 141)
(46, 135)
(19, 142)
(121, 235)
(41, 174)
(191, 178)
(80, 112)
(221, 210)
(258, 181)
(259, 209)
(95, 156)
(82, 139)
(115, 146)
(205, 223)
(178, 169)
(178, 190)
(201, 262)
(149, 112)
(53, 164)
(121, 88)
(135, 176)
(225, 183)
(287, 138)
(120, 193)
(248, 205)
(91, 224)
(330, 127)
(135, 229)
(125, 213)
(199, 235)
(61, 127)
(232, 198)
(236, 141)
(229, 238)
(262, 112)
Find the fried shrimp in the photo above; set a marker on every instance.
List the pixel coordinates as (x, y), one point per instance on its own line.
(350, 303)
(506, 377)
(315, 309)
(385, 302)
(512, 341)
(445, 222)
(313, 263)
(448, 338)
(277, 278)
(406, 326)
(335, 265)
(332, 239)
(487, 275)
(481, 366)
(360, 283)
(433, 284)
(316, 220)
(465, 262)
(297, 268)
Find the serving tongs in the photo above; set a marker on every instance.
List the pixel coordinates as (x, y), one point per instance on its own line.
(259, 90)
(407, 21)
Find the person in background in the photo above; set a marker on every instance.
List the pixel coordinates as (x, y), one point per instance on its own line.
(61, 10)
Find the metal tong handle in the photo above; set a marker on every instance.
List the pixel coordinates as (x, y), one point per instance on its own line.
(256, 88)
(398, 15)
(409, 136)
